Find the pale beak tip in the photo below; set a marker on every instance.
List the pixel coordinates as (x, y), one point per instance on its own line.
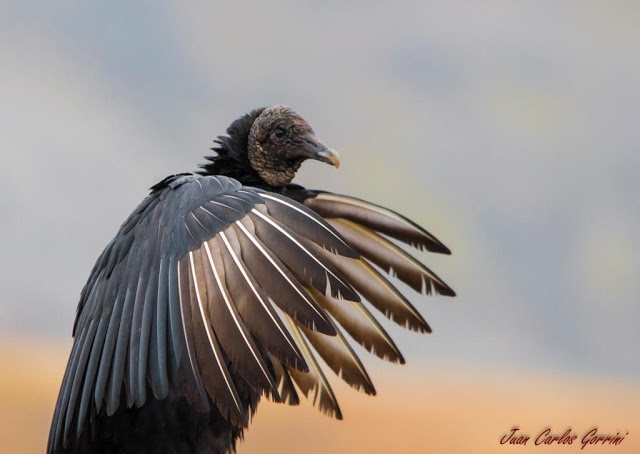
(330, 156)
(336, 159)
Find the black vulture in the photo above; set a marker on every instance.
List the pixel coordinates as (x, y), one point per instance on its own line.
(227, 284)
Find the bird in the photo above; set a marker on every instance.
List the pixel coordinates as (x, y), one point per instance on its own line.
(231, 284)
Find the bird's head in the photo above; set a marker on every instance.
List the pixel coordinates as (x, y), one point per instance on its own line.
(279, 141)
(267, 146)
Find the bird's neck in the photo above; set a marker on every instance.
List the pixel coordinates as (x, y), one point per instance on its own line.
(230, 153)
(229, 163)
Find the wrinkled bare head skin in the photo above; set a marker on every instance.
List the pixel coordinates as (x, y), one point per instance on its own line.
(279, 141)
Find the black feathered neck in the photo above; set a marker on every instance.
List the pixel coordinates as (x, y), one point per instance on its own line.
(231, 158)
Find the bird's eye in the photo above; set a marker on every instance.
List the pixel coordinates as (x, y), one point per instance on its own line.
(279, 132)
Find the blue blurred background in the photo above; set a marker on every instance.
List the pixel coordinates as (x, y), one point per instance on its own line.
(508, 129)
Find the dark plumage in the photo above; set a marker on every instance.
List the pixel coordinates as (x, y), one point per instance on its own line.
(217, 287)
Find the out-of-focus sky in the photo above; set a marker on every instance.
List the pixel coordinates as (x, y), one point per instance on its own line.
(508, 129)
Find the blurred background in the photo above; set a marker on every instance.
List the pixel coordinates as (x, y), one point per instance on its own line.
(507, 129)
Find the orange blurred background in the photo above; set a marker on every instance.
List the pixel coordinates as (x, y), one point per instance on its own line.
(417, 410)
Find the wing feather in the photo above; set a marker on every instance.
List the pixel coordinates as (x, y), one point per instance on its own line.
(148, 310)
(297, 255)
(381, 293)
(106, 356)
(58, 415)
(215, 374)
(340, 357)
(120, 354)
(314, 380)
(235, 338)
(390, 257)
(362, 326)
(74, 376)
(197, 397)
(175, 314)
(158, 340)
(288, 393)
(92, 368)
(189, 299)
(375, 217)
(280, 284)
(254, 306)
(306, 223)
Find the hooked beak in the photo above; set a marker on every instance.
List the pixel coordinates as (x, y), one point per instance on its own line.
(329, 156)
(317, 150)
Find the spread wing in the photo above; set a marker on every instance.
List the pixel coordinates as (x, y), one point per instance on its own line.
(209, 282)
